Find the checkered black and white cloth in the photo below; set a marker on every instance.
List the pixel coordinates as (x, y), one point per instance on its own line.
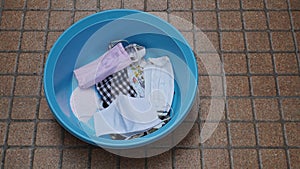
(113, 85)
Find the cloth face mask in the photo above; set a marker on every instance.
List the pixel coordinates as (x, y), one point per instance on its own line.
(113, 85)
(110, 62)
(159, 83)
(126, 115)
(84, 103)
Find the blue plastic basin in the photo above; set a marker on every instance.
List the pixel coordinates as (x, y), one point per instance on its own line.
(88, 39)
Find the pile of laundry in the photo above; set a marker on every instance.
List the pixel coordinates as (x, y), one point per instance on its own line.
(126, 95)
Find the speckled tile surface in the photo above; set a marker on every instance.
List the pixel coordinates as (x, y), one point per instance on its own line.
(258, 42)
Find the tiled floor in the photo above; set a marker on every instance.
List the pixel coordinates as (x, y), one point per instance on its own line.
(258, 42)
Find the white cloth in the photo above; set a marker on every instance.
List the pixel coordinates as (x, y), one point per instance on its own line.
(131, 115)
(159, 83)
(84, 103)
(125, 115)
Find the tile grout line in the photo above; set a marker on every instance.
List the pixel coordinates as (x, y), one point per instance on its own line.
(281, 121)
(200, 146)
(293, 33)
(249, 75)
(6, 146)
(41, 82)
(158, 10)
(224, 86)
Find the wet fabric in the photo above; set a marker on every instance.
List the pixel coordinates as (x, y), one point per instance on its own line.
(126, 115)
(109, 63)
(84, 103)
(113, 85)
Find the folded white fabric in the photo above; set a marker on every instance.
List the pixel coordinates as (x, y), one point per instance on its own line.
(84, 103)
(125, 115)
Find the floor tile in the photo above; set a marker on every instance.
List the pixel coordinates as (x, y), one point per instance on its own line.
(242, 134)
(67, 4)
(134, 4)
(2, 132)
(189, 158)
(81, 14)
(157, 4)
(239, 109)
(84, 4)
(207, 42)
(280, 4)
(286, 63)
(60, 20)
(263, 86)
(17, 158)
(258, 41)
(24, 108)
(294, 4)
(206, 20)
(230, 20)
(33, 41)
(75, 158)
(108, 4)
(296, 20)
(260, 63)
(160, 161)
(31, 63)
(14, 5)
(255, 20)
(7, 62)
(289, 85)
(235, 63)
(233, 41)
(38, 4)
(181, 20)
(44, 110)
(70, 140)
(46, 157)
(218, 137)
(9, 40)
(279, 20)
(180, 4)
(132, 163)
(229, 4)
(216, 158)
(4, 107)
(11, 20)
(208, 4)
(52, 37)
(291, 109)
(266, 109)
(205, 109)
(237, 86)
(282, 41)
(103, 159)
(51, 137)
(273, 158)
(6, 86)
(292, 132)
(27, 85)
(294, 157)
(36, 20)
(210, 86)
(254, 4)
(244, 158)
(192, 138)
(20, 133)
(270, 134)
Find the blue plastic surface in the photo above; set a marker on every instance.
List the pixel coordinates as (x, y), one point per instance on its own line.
(88, 39)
